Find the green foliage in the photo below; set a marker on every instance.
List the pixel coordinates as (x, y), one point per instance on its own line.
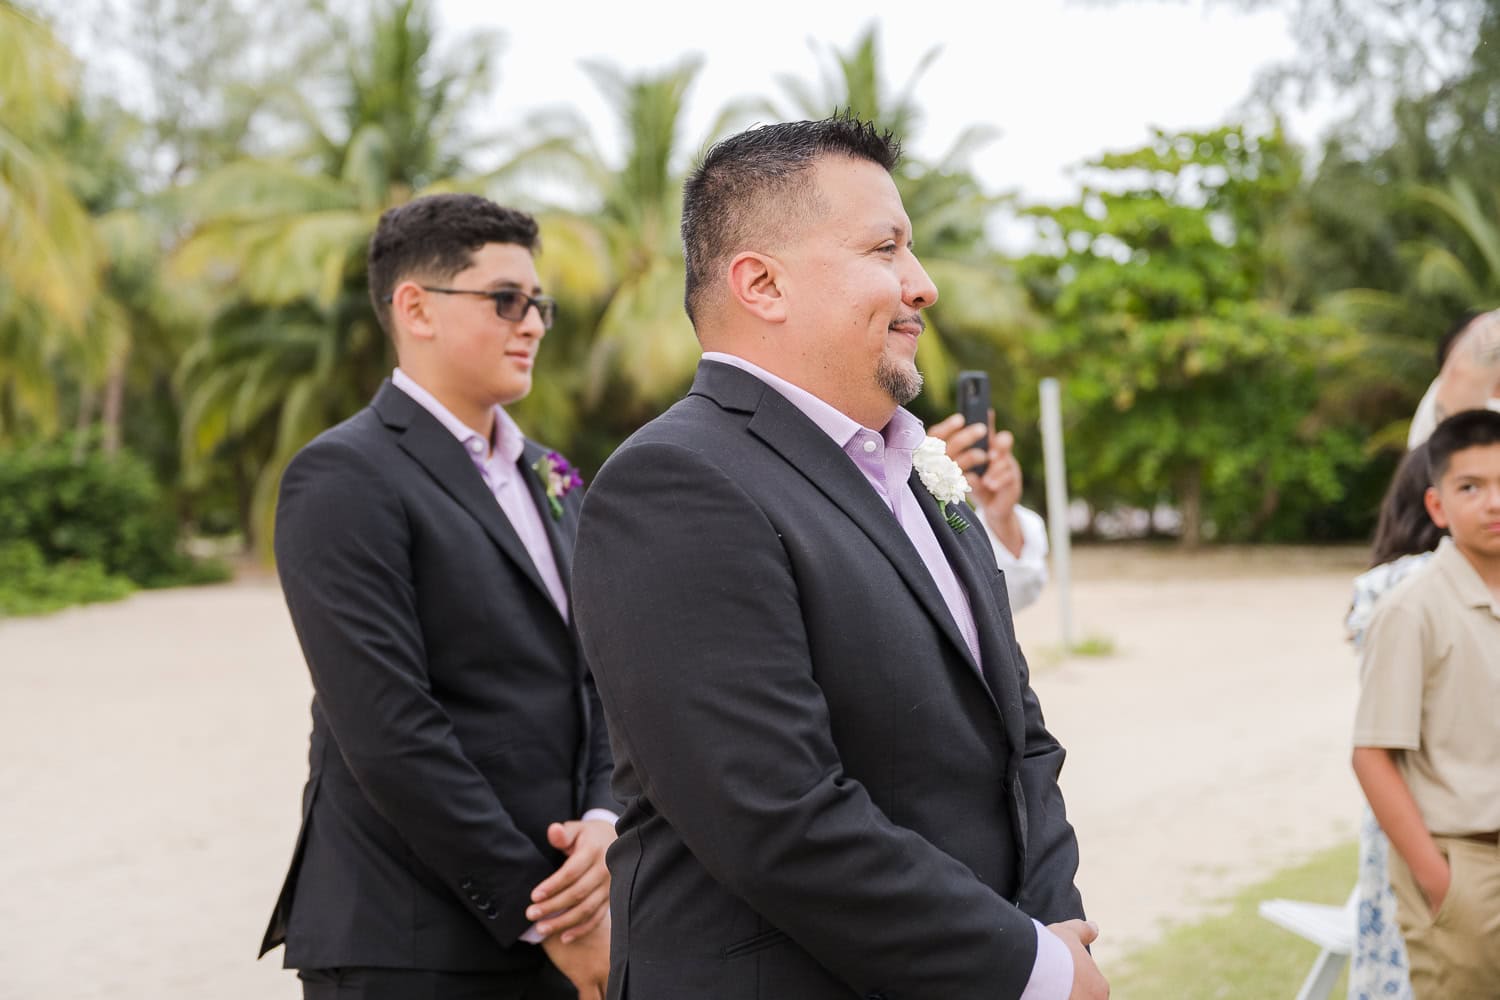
(92, 522)
(1187, 381)
(293, 345)
(49, 253)
(186, 273)
(29, 585)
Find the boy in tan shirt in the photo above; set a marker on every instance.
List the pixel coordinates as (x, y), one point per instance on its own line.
(1427, 730)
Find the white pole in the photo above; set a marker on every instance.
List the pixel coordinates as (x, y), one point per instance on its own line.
(1057, 505)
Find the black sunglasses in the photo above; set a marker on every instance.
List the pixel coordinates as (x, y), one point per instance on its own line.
(510, 303)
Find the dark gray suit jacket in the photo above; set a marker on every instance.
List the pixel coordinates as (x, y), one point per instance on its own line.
(452, 717)
(823, 799)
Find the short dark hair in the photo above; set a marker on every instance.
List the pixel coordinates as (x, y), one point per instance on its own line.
(751, 187)
(1445, 346)
(1404, 528)
(435, 237)
(1465, 429)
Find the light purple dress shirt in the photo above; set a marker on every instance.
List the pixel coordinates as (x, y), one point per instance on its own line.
(885, 459)
(498, 468)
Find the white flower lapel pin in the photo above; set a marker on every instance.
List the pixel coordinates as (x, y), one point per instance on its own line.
(943, 479)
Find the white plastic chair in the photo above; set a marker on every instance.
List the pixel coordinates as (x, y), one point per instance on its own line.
(1331, 928)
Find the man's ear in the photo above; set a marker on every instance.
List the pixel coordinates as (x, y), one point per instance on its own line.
(1434, 503)
(410, 311)
(756, 284)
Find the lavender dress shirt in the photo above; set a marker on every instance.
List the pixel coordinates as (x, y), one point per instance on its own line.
(885, 460)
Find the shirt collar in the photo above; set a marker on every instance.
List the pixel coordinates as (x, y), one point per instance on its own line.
(509, 442)
(1464, 577)
(903, 432)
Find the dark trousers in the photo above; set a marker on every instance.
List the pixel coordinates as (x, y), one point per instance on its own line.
(542, 983)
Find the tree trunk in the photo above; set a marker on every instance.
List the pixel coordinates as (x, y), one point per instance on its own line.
(86, 400)
(114, 408)
(244, 495)
(1190, 496)
(1270, 502)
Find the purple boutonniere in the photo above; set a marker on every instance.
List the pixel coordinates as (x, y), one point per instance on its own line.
(558, 480)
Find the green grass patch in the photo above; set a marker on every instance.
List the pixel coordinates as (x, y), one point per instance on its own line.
(1240, 955)
(1094, 645)
(1046, 657)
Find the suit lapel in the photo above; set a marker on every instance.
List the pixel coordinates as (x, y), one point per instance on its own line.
(429, 443)
(975, 567)
(974, 563)
(788, 432)
(561, 541)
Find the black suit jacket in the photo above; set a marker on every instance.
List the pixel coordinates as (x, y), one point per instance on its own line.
(823, 797)
(452, 717)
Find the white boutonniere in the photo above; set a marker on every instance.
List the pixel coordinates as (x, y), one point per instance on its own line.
(943, 479)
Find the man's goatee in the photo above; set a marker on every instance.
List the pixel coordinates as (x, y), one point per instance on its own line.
(902, 382)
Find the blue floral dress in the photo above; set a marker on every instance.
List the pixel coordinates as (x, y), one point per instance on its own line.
(1379, 970)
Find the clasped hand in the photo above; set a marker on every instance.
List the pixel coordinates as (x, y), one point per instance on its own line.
(571, 906)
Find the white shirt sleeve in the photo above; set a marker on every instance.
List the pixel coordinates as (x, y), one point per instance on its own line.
(1025, 574)
(1052, 973)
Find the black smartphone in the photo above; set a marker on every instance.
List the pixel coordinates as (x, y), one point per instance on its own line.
(973, 394)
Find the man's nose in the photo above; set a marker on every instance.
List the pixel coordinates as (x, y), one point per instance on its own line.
(920, 292)
(531, 323)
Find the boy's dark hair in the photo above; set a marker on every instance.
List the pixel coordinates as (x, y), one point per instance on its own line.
(435, 237)
(1464, 430)
(751, 188)
(1445, 346)
(1404, 528)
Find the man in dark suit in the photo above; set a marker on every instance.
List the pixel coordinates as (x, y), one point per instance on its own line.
(457, 810)
(836, 778)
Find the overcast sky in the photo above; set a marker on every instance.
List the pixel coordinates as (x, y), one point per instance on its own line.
(1062, 80)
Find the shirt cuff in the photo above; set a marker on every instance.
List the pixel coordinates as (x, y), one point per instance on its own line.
(532, 935)
(1052, 972)
(608, 815)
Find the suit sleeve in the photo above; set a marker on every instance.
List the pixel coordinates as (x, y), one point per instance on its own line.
(601, 762)
(690, 615)
(1048, 892)
(343, 555)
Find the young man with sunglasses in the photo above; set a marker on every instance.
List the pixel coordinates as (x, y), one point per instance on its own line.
(457, 810)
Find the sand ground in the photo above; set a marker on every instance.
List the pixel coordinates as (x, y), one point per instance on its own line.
(152, 755)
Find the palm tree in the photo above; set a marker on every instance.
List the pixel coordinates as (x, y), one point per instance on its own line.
(635, 350)
(49, 252)
(1471, 274)
(294, 345)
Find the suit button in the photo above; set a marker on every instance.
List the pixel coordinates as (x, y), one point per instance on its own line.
(466, 884)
